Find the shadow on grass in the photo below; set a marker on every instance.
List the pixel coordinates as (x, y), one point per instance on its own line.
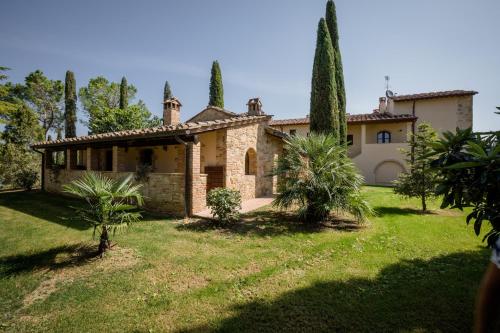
(269, 222)
(381, 211)
(434, 295)
(52, 259)
(51, 207)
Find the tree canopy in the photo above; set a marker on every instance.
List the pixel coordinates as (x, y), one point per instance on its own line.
(167, 92)
(44, 96)
(216, 87)
(331, 22)
(101, 103)
(324, 118)
(123, 94)
(70, 105)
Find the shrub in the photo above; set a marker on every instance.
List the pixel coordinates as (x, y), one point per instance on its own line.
(111, 204)
(224, 204)
(27, 179)
(316, 175)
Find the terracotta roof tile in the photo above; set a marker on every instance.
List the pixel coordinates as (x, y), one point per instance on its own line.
(352, 119)
(160, 131)
(434, 94)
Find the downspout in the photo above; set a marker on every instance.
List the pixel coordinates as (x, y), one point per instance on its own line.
(43, 168)
(187, 176)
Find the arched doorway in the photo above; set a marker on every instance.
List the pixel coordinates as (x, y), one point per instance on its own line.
(387, 171)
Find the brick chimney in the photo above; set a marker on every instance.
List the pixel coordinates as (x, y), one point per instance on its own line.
(171, 111)
(382, 104)
(255, 107)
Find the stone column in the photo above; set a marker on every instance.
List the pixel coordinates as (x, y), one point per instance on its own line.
(89, 158)
(198, 183)
(115, 158)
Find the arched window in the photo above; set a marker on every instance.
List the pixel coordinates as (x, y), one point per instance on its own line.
(250, 162)
(383, 137)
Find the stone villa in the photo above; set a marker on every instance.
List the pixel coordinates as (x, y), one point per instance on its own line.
(219, 148)
(375, 138)
(215, 148)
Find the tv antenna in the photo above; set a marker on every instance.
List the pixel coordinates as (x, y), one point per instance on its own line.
(388, 93)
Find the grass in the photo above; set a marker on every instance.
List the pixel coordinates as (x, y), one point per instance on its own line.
(402, 271)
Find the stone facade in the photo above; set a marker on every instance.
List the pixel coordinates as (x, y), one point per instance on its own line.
(242, 155)
(238, 141)
(464, 112)
(163, 193)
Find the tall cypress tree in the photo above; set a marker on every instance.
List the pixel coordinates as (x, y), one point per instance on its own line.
(216, 88)
(123, 94)
(331, 22)
(167, 93)
(70, 105)
(324, 110)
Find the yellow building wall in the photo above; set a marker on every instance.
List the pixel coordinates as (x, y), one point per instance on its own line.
(443, 114)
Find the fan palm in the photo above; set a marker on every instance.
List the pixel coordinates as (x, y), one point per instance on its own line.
(315, 174)
(112, 204)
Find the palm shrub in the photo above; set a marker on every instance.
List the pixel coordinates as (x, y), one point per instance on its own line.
(316, 175)
(111, 204)
(224, 204)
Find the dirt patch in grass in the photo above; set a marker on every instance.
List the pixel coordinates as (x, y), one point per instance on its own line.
(271, 222)
(82, 262)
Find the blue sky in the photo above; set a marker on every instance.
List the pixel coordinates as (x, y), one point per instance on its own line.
(265, 48)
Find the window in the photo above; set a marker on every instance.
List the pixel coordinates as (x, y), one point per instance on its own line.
(250, 162)
(146, 157)
(108, 166)
(383, 137)
(350, 139)
(293, 132)
(57, 159)
(80, 158)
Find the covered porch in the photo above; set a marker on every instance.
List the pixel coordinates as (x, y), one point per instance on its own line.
(171, 170)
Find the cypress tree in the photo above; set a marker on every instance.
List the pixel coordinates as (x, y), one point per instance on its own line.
(70, 105)
(123, 94)
(331, 22)
(59, 154)
(216, 88)
(167, 93)
(324, 110)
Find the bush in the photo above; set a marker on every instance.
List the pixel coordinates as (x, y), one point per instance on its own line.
(224, 204)
(316, 175)
(26, 179)
(469, 166)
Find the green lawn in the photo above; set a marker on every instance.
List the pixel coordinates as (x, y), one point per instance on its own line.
(402, 271)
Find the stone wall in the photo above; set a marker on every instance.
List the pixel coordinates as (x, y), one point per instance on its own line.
(464, 112)
(163, 192)
(198, 180)
(238, 141)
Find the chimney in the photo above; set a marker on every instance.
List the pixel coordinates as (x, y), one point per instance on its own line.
(171, 111)
(382, 105)
(255, 107)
